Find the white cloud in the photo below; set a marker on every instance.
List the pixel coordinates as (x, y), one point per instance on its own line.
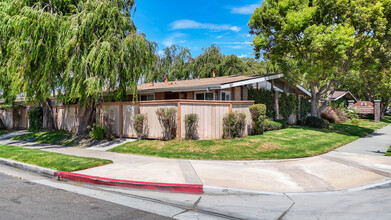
(218, 37)
(236, 46)
(235, 43)
(243, 56)
(191, 24)
(173, 39)
(245, 10)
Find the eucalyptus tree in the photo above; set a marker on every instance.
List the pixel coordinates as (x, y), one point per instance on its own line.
(316, 41)
(81, 50)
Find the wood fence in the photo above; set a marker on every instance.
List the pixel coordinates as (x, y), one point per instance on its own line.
(210, 125)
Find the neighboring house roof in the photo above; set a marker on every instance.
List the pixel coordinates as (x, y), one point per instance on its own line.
(339, 94)
(202, 84)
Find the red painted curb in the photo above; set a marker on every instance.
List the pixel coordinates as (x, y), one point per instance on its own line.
(183, 188)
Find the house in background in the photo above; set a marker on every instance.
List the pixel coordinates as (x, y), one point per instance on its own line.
(344, 98)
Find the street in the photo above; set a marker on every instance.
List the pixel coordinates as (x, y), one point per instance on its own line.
(22, 199)
(34, 197)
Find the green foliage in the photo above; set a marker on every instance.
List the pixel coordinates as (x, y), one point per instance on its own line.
(305, 107)
(47, 137)
(321, 43)
(35, 119)
(258, 116)
(233, 125)
(168, 120)
(140, 126)
(263, 96)
(287, 104)
(351, 112)
(191, 126)
(275, 125)
(315, 122)
(97, 132)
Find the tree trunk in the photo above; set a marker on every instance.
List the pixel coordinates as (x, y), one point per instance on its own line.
(48, 113)
(86, 117)
(315, 106)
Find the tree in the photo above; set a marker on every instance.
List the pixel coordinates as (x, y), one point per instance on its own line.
(316, 42)
(84, 49)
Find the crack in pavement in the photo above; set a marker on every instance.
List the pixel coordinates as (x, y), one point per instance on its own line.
(286, 211)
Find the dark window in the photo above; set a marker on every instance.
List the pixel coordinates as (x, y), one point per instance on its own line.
(200, 96)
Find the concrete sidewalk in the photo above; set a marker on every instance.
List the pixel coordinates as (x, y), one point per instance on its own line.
(336, 170)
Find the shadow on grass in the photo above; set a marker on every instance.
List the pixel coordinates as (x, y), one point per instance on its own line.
(345, 129)
(50, 137)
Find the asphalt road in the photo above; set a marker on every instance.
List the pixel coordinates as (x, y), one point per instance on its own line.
(22, 199)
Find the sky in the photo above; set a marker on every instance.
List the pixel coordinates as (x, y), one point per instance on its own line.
(198, 24)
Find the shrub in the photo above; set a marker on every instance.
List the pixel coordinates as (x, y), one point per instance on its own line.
(140, 126)
(287, 105)
(108, 123)
(355, 121)
(275, 125)
(97, 132)
(305, 107)
(191, 126)
(258, 116)
(263, 96)
(333, 115)
(315, 122)
(351, 112)
(234, 125)
(35, 119)
(329, 115)
(168, 121)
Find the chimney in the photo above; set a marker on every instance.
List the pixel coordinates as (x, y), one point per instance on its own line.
(214, 73)
(166, 79)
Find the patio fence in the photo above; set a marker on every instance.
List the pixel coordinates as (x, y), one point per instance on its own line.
(121, 116)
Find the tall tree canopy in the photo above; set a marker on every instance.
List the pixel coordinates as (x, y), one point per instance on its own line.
(81, 48)
(318, 42)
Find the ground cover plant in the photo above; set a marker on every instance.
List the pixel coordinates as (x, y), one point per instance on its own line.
(47, 137)
(292, 142)
(388, 153)
(55, 161)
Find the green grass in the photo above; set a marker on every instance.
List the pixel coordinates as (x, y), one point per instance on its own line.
(292, 142)
(47, 137)
(388, 153)
(55, 161)
(3, 132)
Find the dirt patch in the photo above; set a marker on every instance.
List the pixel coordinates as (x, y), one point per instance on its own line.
(266, 147)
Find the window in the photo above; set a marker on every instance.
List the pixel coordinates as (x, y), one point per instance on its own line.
(204, 96)
(225, 96)
(147, 97)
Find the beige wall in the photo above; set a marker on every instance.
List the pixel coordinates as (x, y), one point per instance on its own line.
(6, 117)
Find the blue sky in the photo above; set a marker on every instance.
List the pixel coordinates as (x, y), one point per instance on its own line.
(198, 24)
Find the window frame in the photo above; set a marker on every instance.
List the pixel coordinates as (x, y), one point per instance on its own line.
(195, 96)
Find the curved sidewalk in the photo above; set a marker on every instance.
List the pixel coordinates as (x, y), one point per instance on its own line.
(350, 166)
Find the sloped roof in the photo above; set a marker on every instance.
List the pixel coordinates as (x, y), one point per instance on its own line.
(203, 83)
(339, 94)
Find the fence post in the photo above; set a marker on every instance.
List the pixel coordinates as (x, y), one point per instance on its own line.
(179, 133)
(230, 108)
(100, 115)
(377, 111)
(121, 121)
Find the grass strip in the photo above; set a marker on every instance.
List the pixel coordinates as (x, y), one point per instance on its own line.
(55, 161)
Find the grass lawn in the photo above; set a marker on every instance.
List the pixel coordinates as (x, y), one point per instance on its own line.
(47, 137)
(292, 142)
(388, 153)
(55, 161)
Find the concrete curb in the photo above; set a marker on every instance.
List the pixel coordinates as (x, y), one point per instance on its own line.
(60, 175)
(28, 167)
(174, 187)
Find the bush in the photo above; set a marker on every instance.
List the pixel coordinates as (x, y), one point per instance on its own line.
(258, 116)
(168, 121)
(35, 119)
(351, 112)
(287, 105)
(234, 125)
(315, 122)
(140, 126)
(329, 115)
(191, 126)
(333, 115)
(355, 121)
(275, 125)
(263, 96)
(97, 132)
